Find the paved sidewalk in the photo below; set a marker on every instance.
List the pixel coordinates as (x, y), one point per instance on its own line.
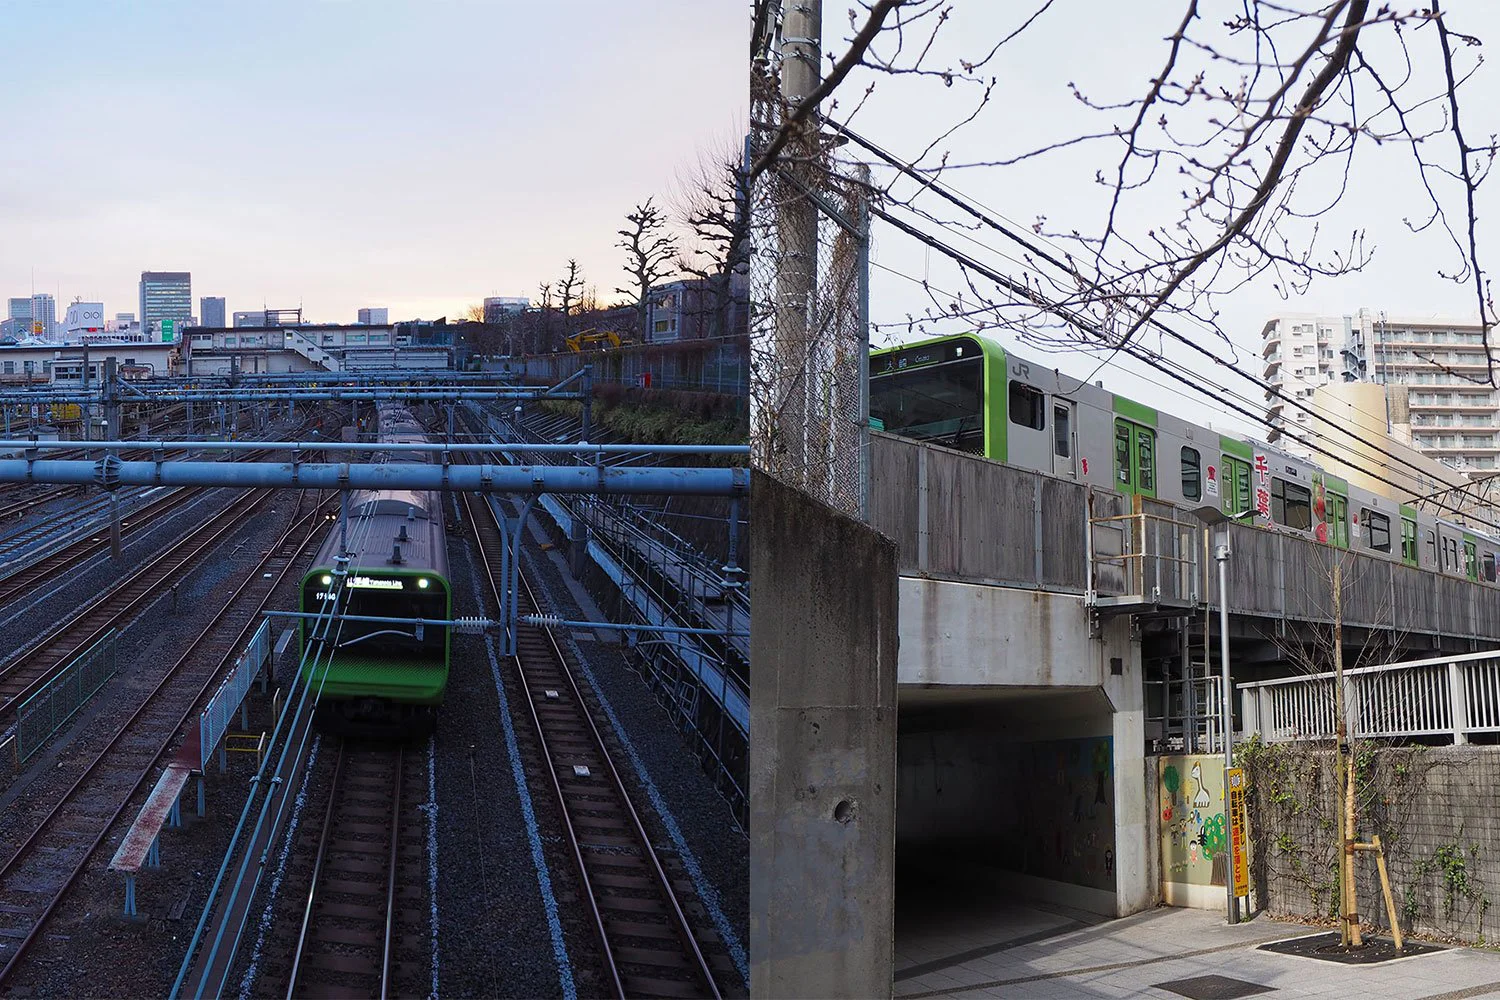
(1018, 950)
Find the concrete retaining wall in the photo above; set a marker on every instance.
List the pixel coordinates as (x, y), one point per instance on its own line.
(823, 750)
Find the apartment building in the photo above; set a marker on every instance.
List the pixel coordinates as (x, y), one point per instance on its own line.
(1434, 369)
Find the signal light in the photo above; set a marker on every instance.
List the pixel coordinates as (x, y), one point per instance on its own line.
(423, 582)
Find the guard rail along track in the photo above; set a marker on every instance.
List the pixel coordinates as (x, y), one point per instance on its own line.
(38, 873)
(647, 945)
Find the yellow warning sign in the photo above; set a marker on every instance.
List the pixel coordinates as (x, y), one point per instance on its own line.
(1239, 830)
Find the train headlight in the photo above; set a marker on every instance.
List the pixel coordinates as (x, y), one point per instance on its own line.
(423, 582)
(326, 579)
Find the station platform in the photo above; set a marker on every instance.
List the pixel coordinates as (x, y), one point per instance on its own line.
(1016, 949)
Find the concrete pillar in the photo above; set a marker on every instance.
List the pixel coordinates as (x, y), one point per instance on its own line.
(822, 750)
(1134, 888)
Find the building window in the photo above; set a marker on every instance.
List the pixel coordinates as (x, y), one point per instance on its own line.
(1028, 406)
(1377, 530)
(661, 326)
(10, 367)
(1291, 505)
(1192, 474)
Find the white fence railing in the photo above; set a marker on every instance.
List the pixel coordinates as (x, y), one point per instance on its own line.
(1451, 696)
(221, 708)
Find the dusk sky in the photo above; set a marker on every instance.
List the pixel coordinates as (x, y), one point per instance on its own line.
(335, 155)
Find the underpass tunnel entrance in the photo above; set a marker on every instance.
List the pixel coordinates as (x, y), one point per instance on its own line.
(1005, 798)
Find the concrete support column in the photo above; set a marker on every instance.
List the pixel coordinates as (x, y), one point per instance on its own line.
(1134, 799)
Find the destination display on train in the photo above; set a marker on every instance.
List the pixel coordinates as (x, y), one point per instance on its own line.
(921, 357)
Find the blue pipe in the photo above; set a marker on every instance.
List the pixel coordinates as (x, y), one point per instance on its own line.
(568, 449)
(604, 480)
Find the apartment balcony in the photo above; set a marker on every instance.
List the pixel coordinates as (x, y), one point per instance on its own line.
(1272, 343)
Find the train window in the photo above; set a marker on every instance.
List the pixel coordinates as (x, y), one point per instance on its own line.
(1062, 437)
(1377, 530)
(1291, 504)
(1192, 474)
(1408, 541)
(1487, 567)
(1028, 406)
(1432, 548)
(1122, 451)
(1471, 561)
(1146, 447)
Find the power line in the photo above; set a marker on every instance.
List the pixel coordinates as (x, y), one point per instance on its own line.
(1084, 324)
(1157, 362)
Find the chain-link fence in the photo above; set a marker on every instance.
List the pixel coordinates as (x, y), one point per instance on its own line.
(809, 312)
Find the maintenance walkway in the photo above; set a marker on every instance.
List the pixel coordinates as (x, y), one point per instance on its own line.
(1042, 952)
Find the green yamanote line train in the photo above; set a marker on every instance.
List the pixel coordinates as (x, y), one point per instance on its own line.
(966, 392)
(383, 678)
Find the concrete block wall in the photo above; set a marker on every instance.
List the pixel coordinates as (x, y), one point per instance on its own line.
(1438, 816)
(822, 750)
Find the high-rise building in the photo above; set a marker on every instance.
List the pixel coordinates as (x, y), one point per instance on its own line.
(44, 316)
(19, 309)
(166, 296)
(1435, 372)
(497, 306)
(213, 310)
(377, 316)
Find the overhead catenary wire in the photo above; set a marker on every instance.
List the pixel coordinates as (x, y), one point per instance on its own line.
(1088, 326)
(965, 204)
(1209, 390)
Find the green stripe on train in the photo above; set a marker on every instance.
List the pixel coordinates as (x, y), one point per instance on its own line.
(1131, 410)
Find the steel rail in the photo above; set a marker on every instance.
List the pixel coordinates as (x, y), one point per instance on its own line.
(380, 909)
(312, 888)
(310, 521)
(153, 575)
(675, 917)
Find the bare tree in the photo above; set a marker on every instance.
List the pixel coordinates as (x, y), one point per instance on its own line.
(714, 206)
(569, 293)
(649, 254)
(474, 313)
(1256, 123)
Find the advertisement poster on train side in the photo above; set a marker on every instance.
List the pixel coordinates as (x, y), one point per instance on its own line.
(1211, 482)
(1263, 486)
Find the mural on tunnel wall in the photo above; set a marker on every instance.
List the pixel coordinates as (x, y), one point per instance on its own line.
(1194, 837)
(1067, 793)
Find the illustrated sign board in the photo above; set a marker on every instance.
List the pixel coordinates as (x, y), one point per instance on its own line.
(1234, 785)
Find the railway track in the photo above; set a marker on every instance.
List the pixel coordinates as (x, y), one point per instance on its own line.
(363, 886)
(28, 672)
(38, 874)
(637, 912)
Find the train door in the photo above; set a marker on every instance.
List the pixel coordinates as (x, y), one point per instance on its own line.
(1234, 475)
(1408, 541)
(1064, 438)
(1338, 520)
(1471, 560)
(1135, 458)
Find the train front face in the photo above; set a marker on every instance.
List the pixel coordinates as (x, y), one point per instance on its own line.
(378, 672)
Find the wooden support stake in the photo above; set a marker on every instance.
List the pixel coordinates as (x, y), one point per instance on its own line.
(1385, 887)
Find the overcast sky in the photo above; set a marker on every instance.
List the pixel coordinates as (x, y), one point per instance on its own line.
(1111, 51)
(333, 155)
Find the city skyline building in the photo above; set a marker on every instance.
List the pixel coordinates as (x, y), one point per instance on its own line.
(212, 310)
(44, 316)
(374, 316)
(496, 306)
(165, 296)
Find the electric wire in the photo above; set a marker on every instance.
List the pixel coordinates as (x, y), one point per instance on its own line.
(965, 205)
(1157, 362)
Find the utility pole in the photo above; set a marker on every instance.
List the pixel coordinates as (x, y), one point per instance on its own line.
(801, 70)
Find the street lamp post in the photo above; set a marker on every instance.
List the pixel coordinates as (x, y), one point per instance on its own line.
(1221, 556)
